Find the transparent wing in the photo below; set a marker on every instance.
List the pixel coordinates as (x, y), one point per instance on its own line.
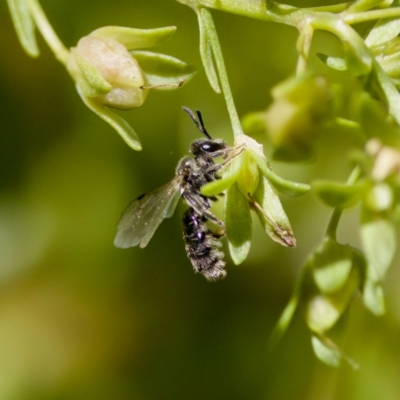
(144, 215)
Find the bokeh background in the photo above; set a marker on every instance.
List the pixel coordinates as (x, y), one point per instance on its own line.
(80, 319)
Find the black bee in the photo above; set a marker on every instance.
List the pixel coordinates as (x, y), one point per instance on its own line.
(143, 216)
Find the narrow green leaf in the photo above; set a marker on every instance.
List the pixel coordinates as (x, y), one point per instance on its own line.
(120, 125)
(272, 215)
(90, 80)
(332, 266)
(383, 31)
(24, 26)
(333, 62)
(337, 194)
(363, 5)
(133, 38)
(206, 54)
(327, 354)
(163, 70)
(373, 297)
(379, 239)
(284, 321)
(238, 224)
(289, 188)
(229, 174)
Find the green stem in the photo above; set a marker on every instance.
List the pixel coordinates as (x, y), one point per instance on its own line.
(303, 47)
(337, 212)
(42, 23)
(223, 76)
(371, 15)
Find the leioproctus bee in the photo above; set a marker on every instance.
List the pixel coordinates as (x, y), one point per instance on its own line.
(143, 216)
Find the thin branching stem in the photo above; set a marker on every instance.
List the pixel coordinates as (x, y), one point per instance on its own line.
(47, 31)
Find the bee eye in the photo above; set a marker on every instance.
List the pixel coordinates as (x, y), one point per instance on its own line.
(210, 147)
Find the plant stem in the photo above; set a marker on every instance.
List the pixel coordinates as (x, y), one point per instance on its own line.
(303, 47)
(223, 76)
(337, 212)
(371, 15)
(41, 21)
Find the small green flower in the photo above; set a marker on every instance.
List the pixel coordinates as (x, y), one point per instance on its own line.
(111, 71)
(302, 106)
(251, 185)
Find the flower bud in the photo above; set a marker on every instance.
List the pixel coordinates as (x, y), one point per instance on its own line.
(301, 106)
(105, 71)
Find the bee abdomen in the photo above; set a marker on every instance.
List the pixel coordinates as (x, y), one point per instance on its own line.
(202, 246)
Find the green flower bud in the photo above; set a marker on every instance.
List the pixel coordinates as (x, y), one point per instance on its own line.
(301, 107)
(110, 70)
(106, 71)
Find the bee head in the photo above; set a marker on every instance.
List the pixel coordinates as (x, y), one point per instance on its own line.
(208, 148)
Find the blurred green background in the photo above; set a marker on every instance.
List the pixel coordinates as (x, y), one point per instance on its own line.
(80, 319)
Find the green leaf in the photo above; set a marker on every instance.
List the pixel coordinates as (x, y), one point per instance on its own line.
(289, 311)
(329, 355)
(90, 80)
(379, 239)
(336, 194)
(324, 310)
(120, 125)
(133, 38)
(272, 215)
(24, 26)
(333, 62)
(163, 70)
(206, 52)
(363, 5)
(230, 174)
(383, 31)
(238, 224)
(331, 266)
(373, 297)
(284, 186)
(254, 123)
(375, 121)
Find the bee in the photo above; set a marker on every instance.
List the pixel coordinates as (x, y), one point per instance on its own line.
(143, 216)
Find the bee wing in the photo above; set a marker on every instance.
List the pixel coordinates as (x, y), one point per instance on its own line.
(144, 215)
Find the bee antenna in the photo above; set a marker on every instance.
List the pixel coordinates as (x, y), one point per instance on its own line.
(199, 122)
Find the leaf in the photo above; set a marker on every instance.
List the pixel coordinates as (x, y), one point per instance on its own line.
(289, 311)
(90, 80)
(24, 26)
(333, 62)
(272, 215)
(238, 224)
(229, 176)
(324, 310)
(383, 31)
(375, 121)
(379, 239)
(120, 125)
(331, 267)
(206, 52)
(373, 297)
(284, 186)
(163, 70)
(327, 354)
(133, 38)
(336, 194)
(363, 5)
(254, 123)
